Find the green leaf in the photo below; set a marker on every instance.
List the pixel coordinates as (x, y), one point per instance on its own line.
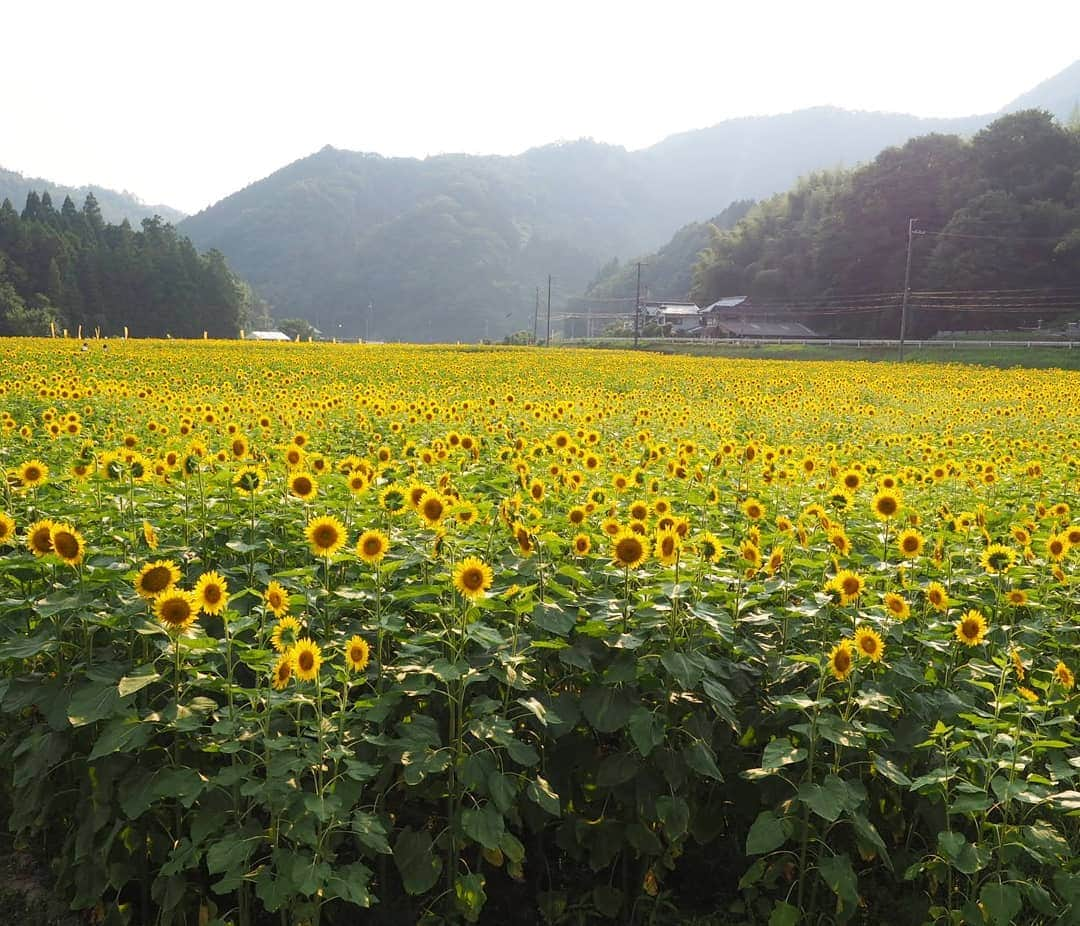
(470, 896)
(784, 914)
(121, 734)
(779, 753)
(544, 714)
(417, 863)
(700, 758)
(606, 709)
(961, 854)
(608, 900)
(484, 825)
(889, 769)
(685, 672)
(144, 676)
(837, 873)
(92, 702)
(825, 802)
(766, 834)
(616, 769)
(350, 883)
(1002, 902)
(674, 814)
(540, 792)
(646, 730)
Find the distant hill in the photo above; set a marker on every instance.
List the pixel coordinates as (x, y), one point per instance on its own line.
(1060, 95)
(115, 207)
(452, 247)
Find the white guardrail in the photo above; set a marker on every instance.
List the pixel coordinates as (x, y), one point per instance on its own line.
(832, 342)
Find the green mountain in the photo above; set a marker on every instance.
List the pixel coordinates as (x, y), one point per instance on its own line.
(453, 247)
(1059, 95)
(997, 213)
(115, 207)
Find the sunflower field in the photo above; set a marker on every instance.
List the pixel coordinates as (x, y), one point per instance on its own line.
(321, 634)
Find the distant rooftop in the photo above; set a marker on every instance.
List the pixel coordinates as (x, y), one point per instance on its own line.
(725, 302)
(267, 336)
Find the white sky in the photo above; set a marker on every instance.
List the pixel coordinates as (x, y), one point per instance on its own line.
(183, 103)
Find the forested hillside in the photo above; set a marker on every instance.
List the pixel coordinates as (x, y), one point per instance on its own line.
(114, 206)
(999, 212)
(452, 247)
(71, 268)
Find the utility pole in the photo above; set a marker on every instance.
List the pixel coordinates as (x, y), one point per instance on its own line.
(370, 316)
(912, 231)
(549, 312)
(536, 317)
(637, 307)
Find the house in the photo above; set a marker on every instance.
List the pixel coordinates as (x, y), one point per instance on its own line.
(267, 336)
(738, 317)
(678, 319)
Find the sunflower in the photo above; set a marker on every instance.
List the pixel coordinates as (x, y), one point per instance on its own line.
(326, 535)
(212, 593)
(7, 528)
(667, 547)
(629, 549)
(150, 535)
(581, 544)
(753, 509)
(303, 486)
(465, 513)
(248, 480)
(885, 504)
(1063, 676)
(869, 643)
(1017, 597)
(938, 597)
(840, 541)
(1057, 545)
(841, 660)
(176, 609)
(372, 546)
(392, 499)
(910, 543)
(285, 634)
(639, 511)
(1017, 663)
(1028, 694)
(710, 546)
(283, 671)
(155, 578)
(357, 483)
(971, 628)
(306, 658)
(68, 544)
(277, 599)
(472, 577)
(997, 558)
(897, 606)
(431, 508)
(357, 654)
(750, 554)
(775, 561)
(524, 539)
(39, 537)
(33, 474)
(845, 586)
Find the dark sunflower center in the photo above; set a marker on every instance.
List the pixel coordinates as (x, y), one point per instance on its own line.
(326, 536)
(41, 540)
(157, 579)
(306, 660)
(66, 544)
(472, 578)
(212, 594)
(175, 611)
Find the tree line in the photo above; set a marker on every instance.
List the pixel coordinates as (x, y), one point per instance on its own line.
(1000, 211)
(68, 268)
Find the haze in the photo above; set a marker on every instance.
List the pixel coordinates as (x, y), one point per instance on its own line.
(185, 104)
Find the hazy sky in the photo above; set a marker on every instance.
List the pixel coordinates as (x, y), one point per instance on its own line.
(184, 103)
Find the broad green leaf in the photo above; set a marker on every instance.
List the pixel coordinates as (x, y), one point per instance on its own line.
(606, 709)
(784, 914)
(484, 825)
(766, 834)
(1002, 902)
(837, 873)
(779, 753)
(540, 792)
(417, 862)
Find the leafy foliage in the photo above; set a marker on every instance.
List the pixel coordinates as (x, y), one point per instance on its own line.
(70, 269)
(1006, 205)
